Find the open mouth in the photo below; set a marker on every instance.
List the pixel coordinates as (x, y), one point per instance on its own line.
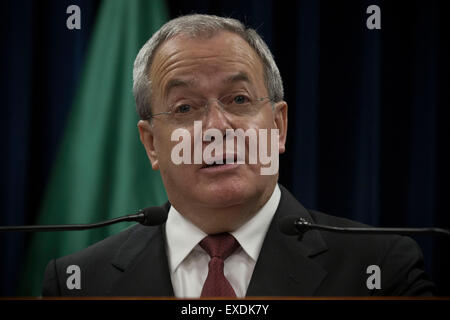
(213, 165)
(232, 159)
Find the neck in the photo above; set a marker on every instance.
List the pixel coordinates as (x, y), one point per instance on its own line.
(212, 220)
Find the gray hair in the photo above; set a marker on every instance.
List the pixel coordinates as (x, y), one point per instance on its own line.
(196, 25)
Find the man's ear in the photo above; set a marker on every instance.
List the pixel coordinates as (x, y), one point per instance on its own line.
(281, 122)
(147, 139)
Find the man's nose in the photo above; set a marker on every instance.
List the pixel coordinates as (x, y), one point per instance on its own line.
(216, 117)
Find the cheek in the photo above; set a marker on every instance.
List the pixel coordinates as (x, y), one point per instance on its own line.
(267, 139)
(262, 122)
(164, 147)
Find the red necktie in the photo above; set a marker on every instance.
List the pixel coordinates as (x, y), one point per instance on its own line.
(219, 247)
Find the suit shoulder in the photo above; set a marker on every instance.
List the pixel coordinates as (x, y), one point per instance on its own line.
(399, 258)
(99, 263)
(100, 252)
(379, 244)
(326, 219)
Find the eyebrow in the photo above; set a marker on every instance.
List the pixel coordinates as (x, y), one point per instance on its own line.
(176, 83)
(240, 76)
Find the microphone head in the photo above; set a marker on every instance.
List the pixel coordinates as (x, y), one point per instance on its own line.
(153, 216)
(287, 225)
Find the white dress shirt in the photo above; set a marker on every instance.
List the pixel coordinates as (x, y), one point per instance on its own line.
(188, 262)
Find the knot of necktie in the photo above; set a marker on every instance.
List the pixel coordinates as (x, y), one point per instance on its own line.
(219, 247)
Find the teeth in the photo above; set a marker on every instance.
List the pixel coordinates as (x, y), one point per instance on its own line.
(214, 164)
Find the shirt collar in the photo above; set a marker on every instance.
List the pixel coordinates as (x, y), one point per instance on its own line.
(251, 235)
(182, 235)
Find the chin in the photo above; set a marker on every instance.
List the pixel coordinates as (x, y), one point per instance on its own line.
(227, 194)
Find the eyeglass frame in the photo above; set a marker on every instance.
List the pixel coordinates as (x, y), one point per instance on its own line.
(221, 104)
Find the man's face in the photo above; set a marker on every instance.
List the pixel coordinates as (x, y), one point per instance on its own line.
(209, 68)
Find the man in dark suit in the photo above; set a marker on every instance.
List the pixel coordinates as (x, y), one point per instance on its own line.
(221, 237)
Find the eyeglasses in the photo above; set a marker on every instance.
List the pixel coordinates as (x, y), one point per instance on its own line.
(189, 110)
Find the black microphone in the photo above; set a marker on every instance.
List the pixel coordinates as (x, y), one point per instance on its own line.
(151, 216)
(293, 225)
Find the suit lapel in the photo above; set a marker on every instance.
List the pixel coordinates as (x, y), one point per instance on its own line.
(142, 264)
(285, 266)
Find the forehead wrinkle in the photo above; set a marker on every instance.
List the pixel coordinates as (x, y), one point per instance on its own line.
(187, 76)
(171, 56)
(173, 61)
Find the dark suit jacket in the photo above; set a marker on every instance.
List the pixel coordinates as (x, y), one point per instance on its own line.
(134, 263)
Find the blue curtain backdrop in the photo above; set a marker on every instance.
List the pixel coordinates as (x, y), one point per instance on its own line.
(40, 64)
(368, 109)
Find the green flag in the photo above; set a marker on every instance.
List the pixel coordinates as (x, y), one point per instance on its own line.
(102, 170)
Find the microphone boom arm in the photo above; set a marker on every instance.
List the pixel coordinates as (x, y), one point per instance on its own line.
(302, 225)
(71, 227)
(150, 216)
